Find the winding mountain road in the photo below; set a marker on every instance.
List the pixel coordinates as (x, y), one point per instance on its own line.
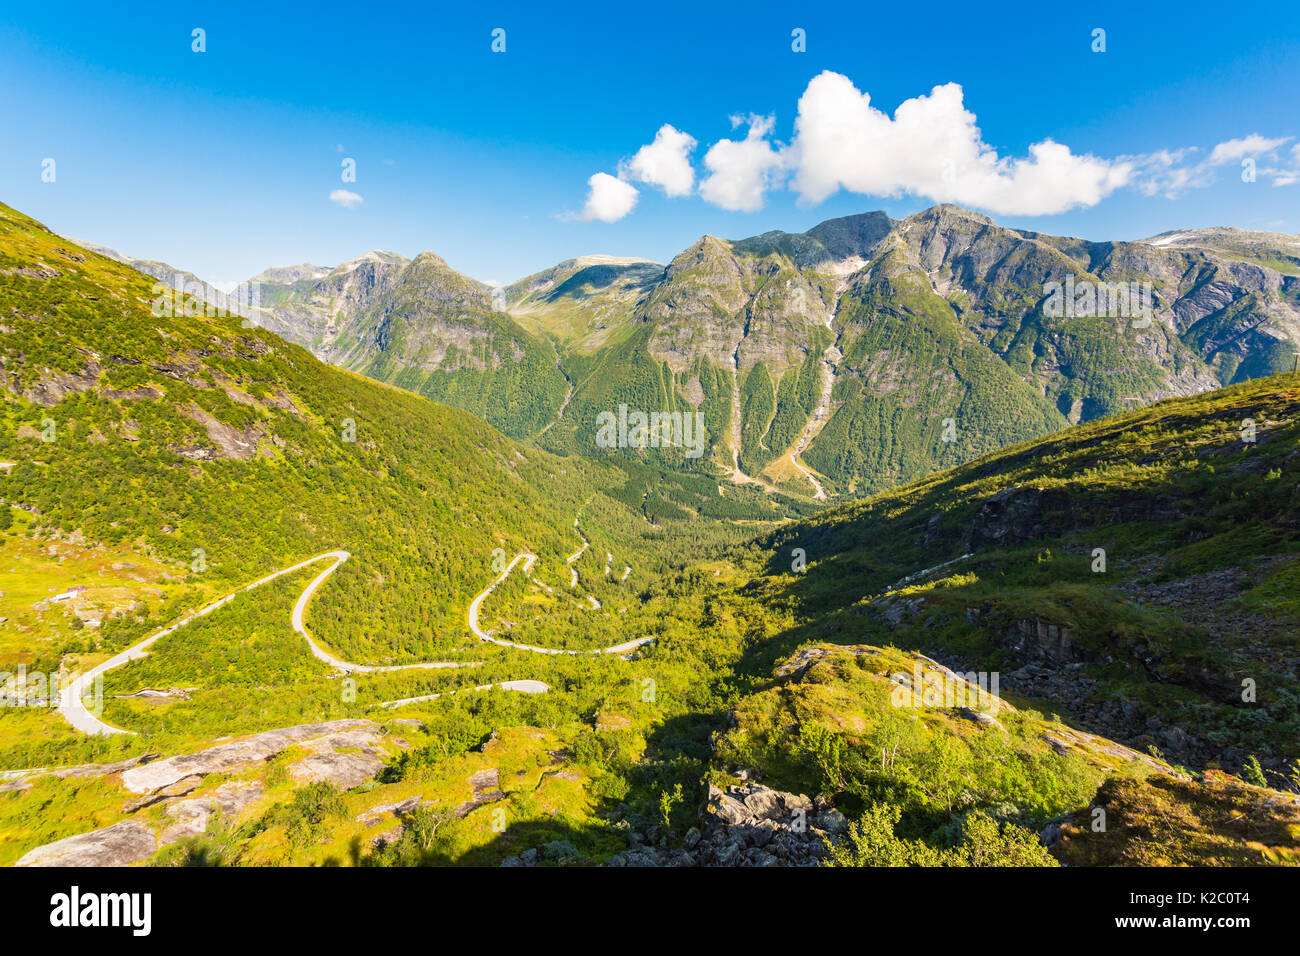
(346, 667)
(482, 635)
(72, 704)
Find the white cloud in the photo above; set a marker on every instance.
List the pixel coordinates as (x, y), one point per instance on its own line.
(741, 171)
(608, 199)
(1169, 172)
(665, 163)
(1172, 173)
(1288, 175)
(346, 199)
(1234, 150)
(932, 147)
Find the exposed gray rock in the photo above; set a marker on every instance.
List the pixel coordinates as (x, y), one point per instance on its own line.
(229, 757)
(750, 825)
(344, 770)
(119, 845)
(192, 816)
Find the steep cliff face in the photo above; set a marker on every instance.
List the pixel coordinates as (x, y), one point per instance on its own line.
(947, 317)
(1213, 319)
(733, 308)
(916, 377)
(323, 309)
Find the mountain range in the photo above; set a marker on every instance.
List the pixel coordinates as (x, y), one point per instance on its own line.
(862, 353)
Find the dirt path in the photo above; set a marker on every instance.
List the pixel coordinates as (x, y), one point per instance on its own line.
(818, 491)
(738, 477)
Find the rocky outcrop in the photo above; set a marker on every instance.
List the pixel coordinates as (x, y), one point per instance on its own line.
(344, 757)
(1034, 639)
(797, 663)
(239, 754)
(54, 387)
(191, 817)
(1018, 514)
(749, 824)
(345, 753)
(230, 442)
(131, 841)
(1023, 513)
(119, 845)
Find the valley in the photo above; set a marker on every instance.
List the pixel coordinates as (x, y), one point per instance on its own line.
(360, 588)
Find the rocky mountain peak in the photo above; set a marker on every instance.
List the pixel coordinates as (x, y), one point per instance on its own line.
(429, 259)
(287, 275)
(374, 257)
(947, 212)
(852, 236)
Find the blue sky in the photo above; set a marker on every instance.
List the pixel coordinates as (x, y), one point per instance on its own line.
(223, 162)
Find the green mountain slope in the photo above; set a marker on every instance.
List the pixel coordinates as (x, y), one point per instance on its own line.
(583, 303)
(436, 333)
(422, 326)
(849, 345)
(1130, 582)
(150, 463)
(157, 462)
(221, 453)
(1134, 573)
(915, 388)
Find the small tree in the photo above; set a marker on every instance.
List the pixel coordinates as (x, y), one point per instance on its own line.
(424, 822)
(871, 841)
(1253, 773)
(984, 843)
